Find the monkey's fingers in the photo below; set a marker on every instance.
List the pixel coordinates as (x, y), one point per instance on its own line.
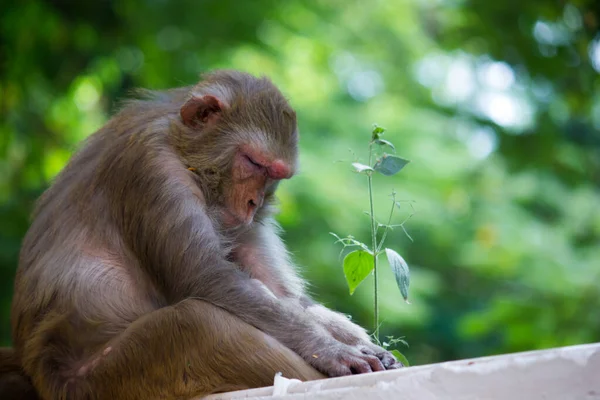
(337, 370)
(397, 365)
(375, 363)
(352, 365)
(365, 365)
(360, 367)
(387, 359)
(366, 350)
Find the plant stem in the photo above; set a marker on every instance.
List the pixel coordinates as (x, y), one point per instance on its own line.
(387, 227)
(374, 247)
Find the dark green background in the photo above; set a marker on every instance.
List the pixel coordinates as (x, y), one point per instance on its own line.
(496, 104)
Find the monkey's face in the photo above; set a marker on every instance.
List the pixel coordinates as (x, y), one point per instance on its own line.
(246, 137)
(254, 175)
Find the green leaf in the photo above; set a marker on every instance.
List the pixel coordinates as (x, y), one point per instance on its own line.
(384, 142)
(357, 266)
(401, 272)
(400, 357)
(389, 165)
(360, 168)
(377, 131)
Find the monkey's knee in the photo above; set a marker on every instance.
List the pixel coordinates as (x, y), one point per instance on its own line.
(244, 353)
(206, 318)
(213, 323)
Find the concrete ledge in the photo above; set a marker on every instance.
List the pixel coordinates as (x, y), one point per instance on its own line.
(556, 374)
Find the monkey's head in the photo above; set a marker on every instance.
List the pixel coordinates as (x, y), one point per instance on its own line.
(239, 135)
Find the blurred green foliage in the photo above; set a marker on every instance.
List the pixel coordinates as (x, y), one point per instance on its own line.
(496, 103)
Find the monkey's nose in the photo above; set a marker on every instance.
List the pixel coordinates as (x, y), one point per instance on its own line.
(278, 170)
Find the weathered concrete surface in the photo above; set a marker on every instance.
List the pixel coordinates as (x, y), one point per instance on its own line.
(556, 374)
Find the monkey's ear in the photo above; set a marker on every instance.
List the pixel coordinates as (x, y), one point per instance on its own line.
(201, 110)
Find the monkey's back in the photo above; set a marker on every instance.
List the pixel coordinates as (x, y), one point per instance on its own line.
(73, 249)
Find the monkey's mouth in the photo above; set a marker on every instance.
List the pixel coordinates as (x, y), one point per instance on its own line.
(234, 220)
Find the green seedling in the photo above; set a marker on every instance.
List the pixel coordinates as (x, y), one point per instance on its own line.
(363, 260)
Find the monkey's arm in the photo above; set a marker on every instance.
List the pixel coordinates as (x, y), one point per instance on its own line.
(263, 255)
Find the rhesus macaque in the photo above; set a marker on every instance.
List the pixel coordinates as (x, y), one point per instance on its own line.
(153, 268)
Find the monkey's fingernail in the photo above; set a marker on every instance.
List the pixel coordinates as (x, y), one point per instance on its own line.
(191, 169)
(315, 356)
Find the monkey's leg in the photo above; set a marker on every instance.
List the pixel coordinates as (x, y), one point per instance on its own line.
(188, 349)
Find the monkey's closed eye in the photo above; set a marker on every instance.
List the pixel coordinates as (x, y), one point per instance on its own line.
(254, 163)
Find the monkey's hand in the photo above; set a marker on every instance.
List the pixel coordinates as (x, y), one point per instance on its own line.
(362, 342)
(347, 332)
(339, 359)
(387, 358)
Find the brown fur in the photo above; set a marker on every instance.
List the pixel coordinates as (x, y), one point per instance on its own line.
(134, 282)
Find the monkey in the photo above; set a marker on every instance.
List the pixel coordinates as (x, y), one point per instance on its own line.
(153, 267)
